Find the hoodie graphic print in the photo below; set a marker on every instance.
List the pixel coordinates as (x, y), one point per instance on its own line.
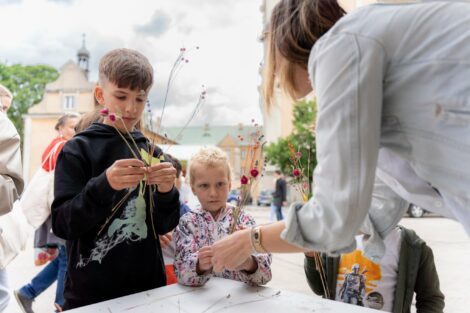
(130, 226)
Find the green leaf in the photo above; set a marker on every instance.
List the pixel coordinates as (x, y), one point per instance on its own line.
(150, 160)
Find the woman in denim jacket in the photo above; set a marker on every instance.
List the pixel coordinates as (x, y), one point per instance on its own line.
(392, 86)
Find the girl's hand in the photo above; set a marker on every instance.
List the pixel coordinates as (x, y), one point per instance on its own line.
(232, 251)
(165, 240)
(163, 175)
(204, 261)
(126, 173)
(250, 265)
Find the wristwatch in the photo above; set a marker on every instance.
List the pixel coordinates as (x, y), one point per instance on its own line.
(256, 240)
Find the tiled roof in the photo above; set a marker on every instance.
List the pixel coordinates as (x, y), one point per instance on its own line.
(208, 135)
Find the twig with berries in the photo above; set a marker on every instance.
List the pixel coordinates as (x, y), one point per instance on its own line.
(249, 180)
(302, 184)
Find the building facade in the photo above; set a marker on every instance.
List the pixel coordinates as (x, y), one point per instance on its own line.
(71, 92)
(236, 141)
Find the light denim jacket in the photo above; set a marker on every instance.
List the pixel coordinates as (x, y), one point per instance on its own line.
(393, 90)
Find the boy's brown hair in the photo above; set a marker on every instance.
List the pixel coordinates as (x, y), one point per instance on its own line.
(127, 69)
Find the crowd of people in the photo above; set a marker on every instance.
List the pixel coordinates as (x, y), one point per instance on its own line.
(392, 128)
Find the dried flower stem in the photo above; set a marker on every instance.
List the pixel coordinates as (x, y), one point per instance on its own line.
(152, 205)
(128, 145)
(321, 271)
(113, 211)
(250, 164)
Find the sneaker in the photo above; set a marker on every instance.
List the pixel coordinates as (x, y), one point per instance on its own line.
(25, 304)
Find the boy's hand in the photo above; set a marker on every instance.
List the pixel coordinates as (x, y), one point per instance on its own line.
(165, 240)
(163, 175)
(204, 261)
(126, 173)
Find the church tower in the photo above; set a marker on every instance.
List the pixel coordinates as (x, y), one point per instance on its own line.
(83, 57)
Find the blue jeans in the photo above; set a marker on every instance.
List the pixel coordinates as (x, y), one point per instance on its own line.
(53, 271)
(277, 209)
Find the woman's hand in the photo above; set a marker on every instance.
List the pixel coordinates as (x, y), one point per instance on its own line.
(126, 173)
(204, 258)
(231, 252)
(163, 175)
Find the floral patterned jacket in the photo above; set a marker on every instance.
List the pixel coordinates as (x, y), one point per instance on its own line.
(197, 229)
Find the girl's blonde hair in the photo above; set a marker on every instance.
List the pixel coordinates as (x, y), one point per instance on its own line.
(209, 157)
(294, 28)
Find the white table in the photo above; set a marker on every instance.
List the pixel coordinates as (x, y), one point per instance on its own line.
(219, 295)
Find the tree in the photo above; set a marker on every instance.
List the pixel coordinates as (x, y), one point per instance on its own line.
(302, 139)
(26, 83)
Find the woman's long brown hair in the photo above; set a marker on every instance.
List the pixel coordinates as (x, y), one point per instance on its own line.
(294, 28)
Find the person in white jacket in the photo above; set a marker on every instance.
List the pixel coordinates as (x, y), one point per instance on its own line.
(11, 178)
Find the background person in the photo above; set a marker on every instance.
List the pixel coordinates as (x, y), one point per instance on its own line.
(11, 175)
(279, 195)
(51, 248)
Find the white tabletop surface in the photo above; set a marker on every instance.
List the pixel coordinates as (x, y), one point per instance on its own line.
(219, 295)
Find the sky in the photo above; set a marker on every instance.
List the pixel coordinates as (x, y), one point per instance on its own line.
(226, 31)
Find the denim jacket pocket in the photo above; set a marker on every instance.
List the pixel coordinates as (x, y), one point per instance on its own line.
(453, 114)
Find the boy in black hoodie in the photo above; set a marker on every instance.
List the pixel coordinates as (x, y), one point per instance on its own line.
(113, 253)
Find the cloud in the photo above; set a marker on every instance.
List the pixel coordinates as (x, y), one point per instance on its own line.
(6, 2)
(227, 62)
(157, 26)
(66, 2)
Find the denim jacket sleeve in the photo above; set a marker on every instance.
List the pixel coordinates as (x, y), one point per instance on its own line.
(346, 72)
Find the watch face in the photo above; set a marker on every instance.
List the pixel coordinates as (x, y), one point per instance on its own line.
(256, 236)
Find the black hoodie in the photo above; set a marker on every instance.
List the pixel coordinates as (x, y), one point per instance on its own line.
(125, 257)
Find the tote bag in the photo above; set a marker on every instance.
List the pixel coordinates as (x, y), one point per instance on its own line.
(14, 233)
(39, 193)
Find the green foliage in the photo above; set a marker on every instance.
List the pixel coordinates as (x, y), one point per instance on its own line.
(26, 83)
(302, 139)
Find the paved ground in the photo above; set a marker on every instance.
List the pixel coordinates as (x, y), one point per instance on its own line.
(447, 239)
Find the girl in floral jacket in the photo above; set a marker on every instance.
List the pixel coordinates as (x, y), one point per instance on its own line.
(197, 230)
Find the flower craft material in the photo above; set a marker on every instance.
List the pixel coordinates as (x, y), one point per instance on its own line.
(301, 182)
(250, 171)
(146, 156)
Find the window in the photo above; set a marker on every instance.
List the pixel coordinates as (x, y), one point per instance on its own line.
(69, 102)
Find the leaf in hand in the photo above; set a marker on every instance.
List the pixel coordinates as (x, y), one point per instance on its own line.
(150, 160)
